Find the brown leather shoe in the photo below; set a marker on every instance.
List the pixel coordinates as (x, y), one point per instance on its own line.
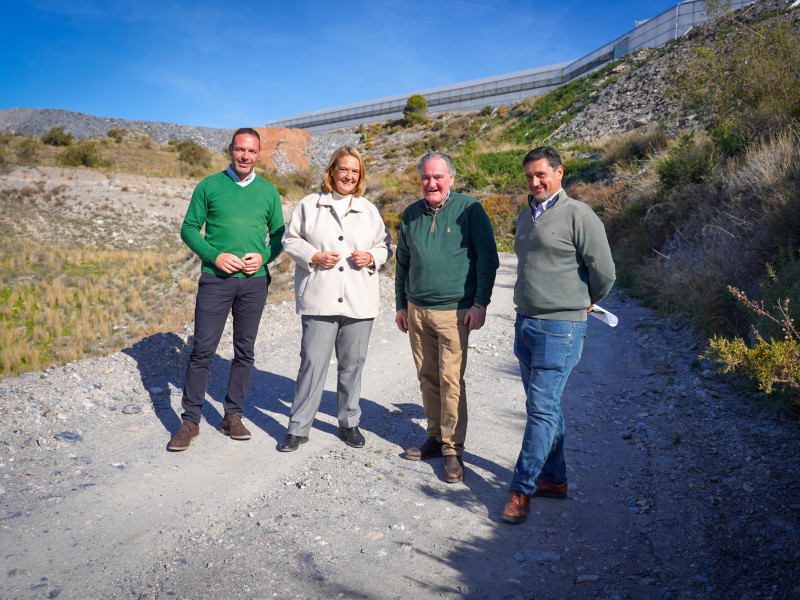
(453, 468)
(187, 432)
(429, 449)
(517, 508)
(232, 426)
(545, 489)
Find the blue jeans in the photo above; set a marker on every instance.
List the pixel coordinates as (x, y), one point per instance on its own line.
(547, 351)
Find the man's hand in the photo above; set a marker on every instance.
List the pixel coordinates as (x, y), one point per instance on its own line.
(252, 263)
(326, 260)
(361, 259)
(475, 318)
(401, 318)
(229, 263)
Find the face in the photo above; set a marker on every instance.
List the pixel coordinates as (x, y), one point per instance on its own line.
(543, 180)
(436, 181)
(244, 154)
(346, 174)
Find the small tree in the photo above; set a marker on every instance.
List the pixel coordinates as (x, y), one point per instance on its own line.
(415, 110)
(57, 137)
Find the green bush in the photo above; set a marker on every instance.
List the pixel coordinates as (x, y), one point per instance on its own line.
(56, 136)
(731, 138)
(751, 82)
(415, 109)
(583, 169)
(193, 153)
(416, 148)
(774, 363)
(688, 162)
(27, 149)
(502, 170)
(85, 152)
(115, 134)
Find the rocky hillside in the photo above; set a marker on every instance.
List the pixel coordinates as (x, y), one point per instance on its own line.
(287, 149)
(642, 93)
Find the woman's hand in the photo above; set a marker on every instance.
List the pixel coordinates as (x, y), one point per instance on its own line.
(361, 259)
(326, 260)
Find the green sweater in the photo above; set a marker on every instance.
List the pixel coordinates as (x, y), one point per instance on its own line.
(564, 261)
(237, 220)
(447, 262)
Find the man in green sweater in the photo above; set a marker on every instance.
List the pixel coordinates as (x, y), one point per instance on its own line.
(564, 267)
(240, 211)
(446, 265)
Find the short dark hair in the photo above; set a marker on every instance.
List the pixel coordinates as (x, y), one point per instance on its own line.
(246, 131)
(548, 152)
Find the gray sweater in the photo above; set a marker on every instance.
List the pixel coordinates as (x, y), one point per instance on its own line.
(564, 261)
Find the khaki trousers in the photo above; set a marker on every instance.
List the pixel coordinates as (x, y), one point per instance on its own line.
(439, 347)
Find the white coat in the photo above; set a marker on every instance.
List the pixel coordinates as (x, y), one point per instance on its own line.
(345, 289)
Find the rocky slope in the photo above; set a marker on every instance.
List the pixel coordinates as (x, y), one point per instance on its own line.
(644, 95)
(287, 150)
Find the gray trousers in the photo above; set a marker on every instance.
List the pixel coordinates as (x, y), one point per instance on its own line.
(350, 338)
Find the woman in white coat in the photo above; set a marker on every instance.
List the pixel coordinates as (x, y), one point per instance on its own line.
(338, 242)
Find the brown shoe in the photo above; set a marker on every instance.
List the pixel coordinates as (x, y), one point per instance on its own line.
(232, 426)
(517, 508)
(429, 449)
(187, 432)
(545, 489)
(453, 468)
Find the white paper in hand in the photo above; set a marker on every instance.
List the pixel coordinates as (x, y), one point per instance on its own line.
(598, 312)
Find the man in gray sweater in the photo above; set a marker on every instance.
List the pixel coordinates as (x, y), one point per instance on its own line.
(564, 268)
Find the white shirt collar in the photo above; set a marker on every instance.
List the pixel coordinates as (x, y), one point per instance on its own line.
(240, 182)
(543, 206)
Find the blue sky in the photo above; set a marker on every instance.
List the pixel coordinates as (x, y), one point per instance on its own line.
(223, 64)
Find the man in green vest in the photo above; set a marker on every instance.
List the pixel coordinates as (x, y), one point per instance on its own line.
(446, 265)
(240, 212)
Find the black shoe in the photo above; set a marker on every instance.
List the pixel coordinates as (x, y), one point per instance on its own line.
(352, 436)
(292, 442)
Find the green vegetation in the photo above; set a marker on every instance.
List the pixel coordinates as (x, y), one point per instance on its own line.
(415, 109)
(56, 136)
(116, 134)
(61, 303)
(543, 115)
(713, 214)
(83, 153)
(124, 151)
(192, 153)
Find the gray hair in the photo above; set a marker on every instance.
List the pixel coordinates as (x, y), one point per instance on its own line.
(451, 168)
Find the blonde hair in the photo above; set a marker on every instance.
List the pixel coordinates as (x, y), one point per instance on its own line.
(327, 178)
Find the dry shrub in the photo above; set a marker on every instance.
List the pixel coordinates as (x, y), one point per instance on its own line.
(594, 194)
(763, 168)
(633, 145)
(502, 211)
(59, 304)
(186, 285)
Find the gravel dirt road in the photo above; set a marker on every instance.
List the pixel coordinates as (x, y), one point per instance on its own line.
(678, 488)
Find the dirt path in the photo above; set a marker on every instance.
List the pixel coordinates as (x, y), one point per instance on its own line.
(677, 489)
